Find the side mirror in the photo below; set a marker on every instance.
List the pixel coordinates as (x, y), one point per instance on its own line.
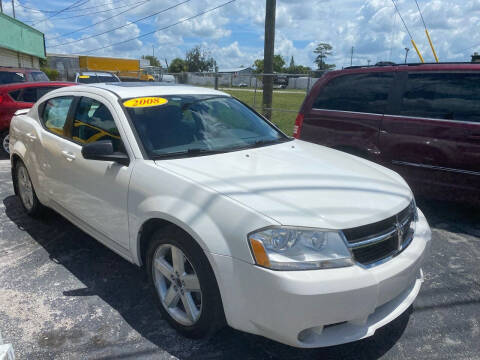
(103, 150)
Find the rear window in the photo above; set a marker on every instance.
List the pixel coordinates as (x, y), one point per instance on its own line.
(450, 96)
(357, 92)
(8, 77)
(38, 76)
(91, 79)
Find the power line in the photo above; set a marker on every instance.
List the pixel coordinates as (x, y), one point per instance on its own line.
(121, 26)
(163, 28)
(98, 22)
(62, 10)
(421, 15)
(401, 17)
(94, 12)
(71, 10)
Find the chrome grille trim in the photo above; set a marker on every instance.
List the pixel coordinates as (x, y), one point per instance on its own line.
(377, 248)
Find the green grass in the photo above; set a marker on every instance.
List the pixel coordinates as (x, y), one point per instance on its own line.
(284, 120)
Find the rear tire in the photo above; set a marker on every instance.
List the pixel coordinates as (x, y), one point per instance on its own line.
(4, 142)
(25, 190)
(186, 291)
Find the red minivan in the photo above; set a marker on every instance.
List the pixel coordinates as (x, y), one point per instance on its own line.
(421, 120)
(18, 96)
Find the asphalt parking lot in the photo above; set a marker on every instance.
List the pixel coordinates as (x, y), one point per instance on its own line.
(65, 296)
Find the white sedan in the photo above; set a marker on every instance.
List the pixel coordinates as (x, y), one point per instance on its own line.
(235, 222)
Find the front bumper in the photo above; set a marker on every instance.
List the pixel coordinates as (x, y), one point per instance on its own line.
(321, 307)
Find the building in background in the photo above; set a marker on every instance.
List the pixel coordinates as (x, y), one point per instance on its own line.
(241, 76)
(475, 57)
(66, 65)
(20, 44)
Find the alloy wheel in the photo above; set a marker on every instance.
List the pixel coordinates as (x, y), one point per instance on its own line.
(6, 143)
(25, 187)
(177, 284)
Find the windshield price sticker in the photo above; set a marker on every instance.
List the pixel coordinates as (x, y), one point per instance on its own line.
(145, 102)
(83, 76)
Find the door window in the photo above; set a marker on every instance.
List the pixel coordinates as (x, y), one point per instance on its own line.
(366, 93)
(31, 94)
(454, 96)
(55, 114)
(94, 122)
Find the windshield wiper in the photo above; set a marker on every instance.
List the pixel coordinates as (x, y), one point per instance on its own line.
(188, 152)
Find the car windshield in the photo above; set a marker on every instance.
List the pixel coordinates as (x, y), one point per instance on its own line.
(7, 77)
(189, 125)
(92, 79)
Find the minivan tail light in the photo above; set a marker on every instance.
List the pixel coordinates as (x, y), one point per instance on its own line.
(1, 99)
(298, 126)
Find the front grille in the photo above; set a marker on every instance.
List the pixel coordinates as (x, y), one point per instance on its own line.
(374, 242)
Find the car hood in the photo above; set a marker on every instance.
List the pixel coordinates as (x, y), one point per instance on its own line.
(299, 183)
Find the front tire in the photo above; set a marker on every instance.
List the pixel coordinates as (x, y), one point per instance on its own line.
(184, 284)
(25, 190)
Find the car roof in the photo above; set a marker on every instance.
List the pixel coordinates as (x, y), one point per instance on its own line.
(137, 89)
(26, 84)
(16, 69)
(417, 67)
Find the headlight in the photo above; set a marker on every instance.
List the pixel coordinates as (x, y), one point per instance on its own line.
(289, 248)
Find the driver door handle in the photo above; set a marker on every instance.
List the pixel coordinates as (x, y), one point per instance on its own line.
(68, 155)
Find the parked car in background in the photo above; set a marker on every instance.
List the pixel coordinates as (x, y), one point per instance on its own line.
(91, 77)
(18, 96)
(421, 120)
(234, 221)
(280, 81)
(10, 75)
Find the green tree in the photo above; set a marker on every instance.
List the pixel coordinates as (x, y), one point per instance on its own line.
(291, 68)
(323, 50)
(278, 64)
(153, 60)
(199, 60)
(177, 65)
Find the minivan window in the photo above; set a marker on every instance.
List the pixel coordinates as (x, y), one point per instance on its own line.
(454, 96)
(55, 114)
(366, 93)
(8, 77)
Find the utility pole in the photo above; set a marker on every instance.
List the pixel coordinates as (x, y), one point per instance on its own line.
(153, 51)
(351, 57)
(368, 61)
(13, 8)
(1, 6)
(268, 58)
(406, 54)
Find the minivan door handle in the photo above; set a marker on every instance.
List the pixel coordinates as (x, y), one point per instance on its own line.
(68, 155)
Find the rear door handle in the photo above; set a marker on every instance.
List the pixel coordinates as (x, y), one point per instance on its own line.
(31, 136)
(68, 155)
